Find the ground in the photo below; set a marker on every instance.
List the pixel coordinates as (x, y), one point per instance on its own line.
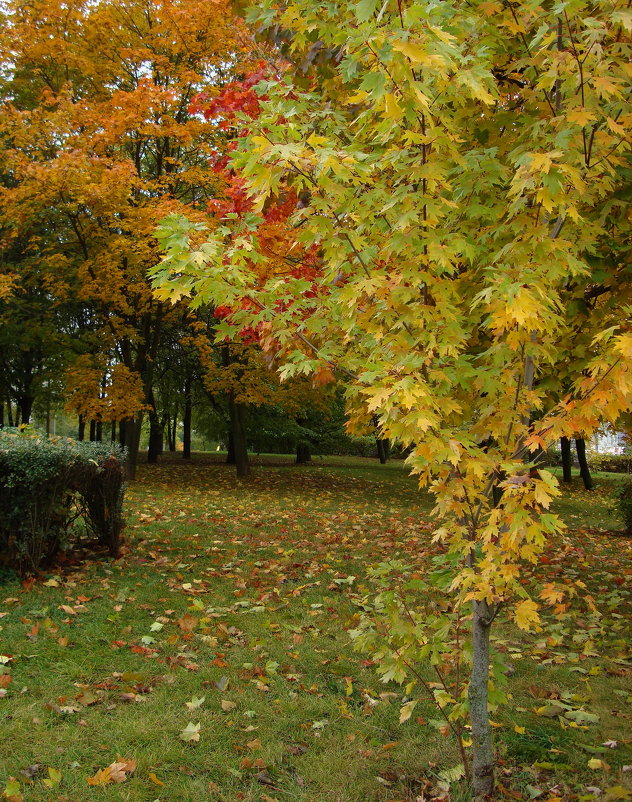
(213, 660)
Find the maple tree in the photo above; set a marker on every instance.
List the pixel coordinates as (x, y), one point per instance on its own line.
(462, 176)
(98, 144)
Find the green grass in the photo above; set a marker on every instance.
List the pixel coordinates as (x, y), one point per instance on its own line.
(251, 568)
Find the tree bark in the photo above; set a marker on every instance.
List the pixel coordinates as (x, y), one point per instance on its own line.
(584, 470)
(303, 454)
(567, 462)
(242, 463)
(93, 431)
(482, 752)
(383, 449)
(230, 448)
(186, 420)
(172, 428)
(154, 447)
(81, 431)
(132, 429)
(26, 405)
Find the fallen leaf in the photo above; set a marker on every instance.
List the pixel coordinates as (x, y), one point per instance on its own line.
(195, 703)
(191, 732)
(188, 622)
(12, 791)
(53, 779)
(102, 777)
(254, 744)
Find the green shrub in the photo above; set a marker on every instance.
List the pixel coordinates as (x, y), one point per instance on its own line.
(46, 485)
(624, 497)
(615, 463)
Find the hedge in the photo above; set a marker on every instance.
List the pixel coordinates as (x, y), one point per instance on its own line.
(47, 487)
(614, 463)
(624, 497)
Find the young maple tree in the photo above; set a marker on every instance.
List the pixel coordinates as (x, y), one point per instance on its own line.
(462, 177)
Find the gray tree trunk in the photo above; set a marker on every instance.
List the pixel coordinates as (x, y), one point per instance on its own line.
(482, 751)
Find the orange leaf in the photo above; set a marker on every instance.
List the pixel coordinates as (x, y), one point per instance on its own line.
(102, 777)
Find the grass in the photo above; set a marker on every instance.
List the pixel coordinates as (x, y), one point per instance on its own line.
(241, 593)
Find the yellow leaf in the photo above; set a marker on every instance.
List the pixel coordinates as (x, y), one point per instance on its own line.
(490, 8)
(616, 127)
(415, 53)
(520, 730)
(53, 779)
(406, 711)
(580, 116)
(542, 162)
(392, 109)
(154, 779)
(102, 777)
(526, 614)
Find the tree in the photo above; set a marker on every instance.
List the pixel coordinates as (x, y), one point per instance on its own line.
(97, 145)
(457, 168)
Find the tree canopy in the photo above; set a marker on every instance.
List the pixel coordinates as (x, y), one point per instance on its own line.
(463, 174)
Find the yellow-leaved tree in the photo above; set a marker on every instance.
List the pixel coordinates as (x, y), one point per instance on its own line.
(463, 172)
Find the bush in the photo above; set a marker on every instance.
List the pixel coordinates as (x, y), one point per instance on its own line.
(46, 485)
(615, 463)
(624, 497)
(551, 458)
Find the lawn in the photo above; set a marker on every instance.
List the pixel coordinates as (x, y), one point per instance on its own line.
(215, 653)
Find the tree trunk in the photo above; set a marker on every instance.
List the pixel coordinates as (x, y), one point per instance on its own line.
(230, 449)
(584, 470)
(240, 450)
(26, 405)
(93, 431)
(173, 432)
(10, 414)
(2, 415)
(303, 454)
(567, 462)
(383, 449)
(113, 434)
(186, 420)
(81, 431)
(482, 752)
(132, 429)
(99, 432)
(154, 447)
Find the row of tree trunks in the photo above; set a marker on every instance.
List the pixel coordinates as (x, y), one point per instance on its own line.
(567, 461)
(22, 415)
